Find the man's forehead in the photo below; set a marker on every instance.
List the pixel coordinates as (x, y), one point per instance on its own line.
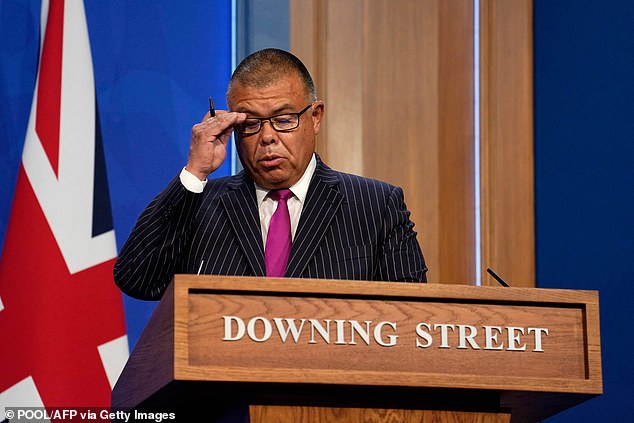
(279, 94)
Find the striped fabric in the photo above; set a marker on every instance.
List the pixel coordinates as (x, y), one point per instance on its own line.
(351, 228)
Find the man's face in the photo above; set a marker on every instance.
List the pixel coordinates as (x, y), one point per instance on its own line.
(276, 159)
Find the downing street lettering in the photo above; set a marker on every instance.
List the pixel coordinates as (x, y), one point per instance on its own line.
(384, 333)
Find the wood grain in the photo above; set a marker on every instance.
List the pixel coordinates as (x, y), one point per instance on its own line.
(397, 79)
(565, 365)
(368, 415)
(182, 362)
(508, 227)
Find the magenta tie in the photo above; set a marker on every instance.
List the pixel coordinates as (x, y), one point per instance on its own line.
(278, 238)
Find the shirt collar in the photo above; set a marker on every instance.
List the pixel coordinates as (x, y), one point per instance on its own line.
(299, 190)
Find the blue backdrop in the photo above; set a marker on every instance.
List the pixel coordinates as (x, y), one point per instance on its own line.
(156, 64)
(584, 167)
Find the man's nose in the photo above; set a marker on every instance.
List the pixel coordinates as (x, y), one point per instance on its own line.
(269, 135)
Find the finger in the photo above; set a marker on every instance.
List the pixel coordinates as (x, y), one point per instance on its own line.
(208, 115)
(220, 125)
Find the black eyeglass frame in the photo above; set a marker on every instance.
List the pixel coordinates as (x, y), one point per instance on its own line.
(271, 122)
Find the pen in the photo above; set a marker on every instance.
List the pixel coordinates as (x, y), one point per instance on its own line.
(212, 110)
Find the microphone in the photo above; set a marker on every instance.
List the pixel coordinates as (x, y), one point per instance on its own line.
(497, 278)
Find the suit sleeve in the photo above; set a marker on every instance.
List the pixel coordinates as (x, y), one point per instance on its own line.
(400, 257)
(154, 251)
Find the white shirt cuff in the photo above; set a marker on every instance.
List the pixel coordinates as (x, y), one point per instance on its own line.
(191, 182)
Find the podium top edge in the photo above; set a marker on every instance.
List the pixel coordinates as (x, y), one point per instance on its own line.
(382, 289)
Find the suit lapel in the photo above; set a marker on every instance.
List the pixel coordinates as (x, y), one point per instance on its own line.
(241, 206)
(322, 202)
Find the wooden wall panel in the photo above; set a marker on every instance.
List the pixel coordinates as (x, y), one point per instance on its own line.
(401, 114)
(456, 151)
(397, 78)
(508, 228)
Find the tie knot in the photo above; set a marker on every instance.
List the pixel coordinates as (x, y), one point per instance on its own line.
(280, 194)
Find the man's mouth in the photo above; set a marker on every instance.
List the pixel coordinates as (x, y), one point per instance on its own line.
(271, 161)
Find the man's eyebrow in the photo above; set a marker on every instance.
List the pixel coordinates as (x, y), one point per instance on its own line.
(286, 108)
(283, 109)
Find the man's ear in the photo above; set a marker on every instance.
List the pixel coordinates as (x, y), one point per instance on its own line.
(319, 110)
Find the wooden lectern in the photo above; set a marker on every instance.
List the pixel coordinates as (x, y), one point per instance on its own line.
(302, 350)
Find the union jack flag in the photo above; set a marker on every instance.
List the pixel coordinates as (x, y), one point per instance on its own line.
(62, 325)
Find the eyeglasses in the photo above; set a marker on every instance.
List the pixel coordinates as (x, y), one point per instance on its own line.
(281, 123)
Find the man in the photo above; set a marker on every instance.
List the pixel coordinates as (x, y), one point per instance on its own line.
(341, 226)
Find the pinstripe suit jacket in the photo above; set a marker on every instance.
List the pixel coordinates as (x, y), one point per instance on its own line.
(350, 228)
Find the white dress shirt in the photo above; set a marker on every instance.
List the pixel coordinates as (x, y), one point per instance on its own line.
(266, 205)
